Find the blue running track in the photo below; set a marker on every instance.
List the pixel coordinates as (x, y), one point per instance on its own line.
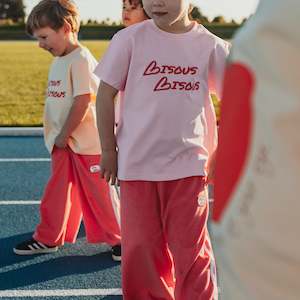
(78, 271)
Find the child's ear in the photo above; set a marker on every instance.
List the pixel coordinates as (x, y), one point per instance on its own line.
(67, 27)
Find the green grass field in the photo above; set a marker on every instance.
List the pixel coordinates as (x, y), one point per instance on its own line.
(23, 80)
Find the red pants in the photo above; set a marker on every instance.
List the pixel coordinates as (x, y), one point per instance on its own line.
(75, 190)
(166, 250)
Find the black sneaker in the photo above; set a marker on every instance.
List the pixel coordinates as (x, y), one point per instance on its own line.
(116, 252)
(32, 246)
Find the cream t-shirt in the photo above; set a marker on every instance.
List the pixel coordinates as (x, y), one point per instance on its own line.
(70, 76)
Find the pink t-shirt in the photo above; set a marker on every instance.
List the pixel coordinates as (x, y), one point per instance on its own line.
(167, 126)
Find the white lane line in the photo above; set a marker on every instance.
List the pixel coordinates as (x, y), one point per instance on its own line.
(19, 202)
(34, 202)
(21, 131)
(24, 159)
(59, 293)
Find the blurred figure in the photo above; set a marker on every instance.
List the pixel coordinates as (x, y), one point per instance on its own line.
(257, 184)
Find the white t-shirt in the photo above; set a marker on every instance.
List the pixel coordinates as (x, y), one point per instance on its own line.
(257, 192)
(70, 76)
(166, 128)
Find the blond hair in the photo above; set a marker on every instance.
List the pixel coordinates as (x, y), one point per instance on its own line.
(53, 13)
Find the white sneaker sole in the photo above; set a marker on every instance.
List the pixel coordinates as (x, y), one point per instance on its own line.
(116, 258)
(37, 251)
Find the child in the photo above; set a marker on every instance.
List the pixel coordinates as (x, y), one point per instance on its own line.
(133, 12)
(167, 130)
(75, 188)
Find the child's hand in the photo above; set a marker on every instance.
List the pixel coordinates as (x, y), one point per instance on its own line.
(109, 166)
(61, 141)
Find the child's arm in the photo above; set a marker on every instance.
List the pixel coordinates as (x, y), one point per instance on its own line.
(76, 115)
(106, 126)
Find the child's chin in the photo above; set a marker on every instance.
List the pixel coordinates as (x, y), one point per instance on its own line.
(127, 23)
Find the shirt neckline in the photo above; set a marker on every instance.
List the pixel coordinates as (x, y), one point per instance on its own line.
(79, 48)
(174, 35)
